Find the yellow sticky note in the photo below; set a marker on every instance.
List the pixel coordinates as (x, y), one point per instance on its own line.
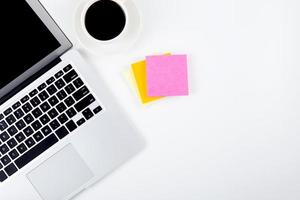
(139, 72)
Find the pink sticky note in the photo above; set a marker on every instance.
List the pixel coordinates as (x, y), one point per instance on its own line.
(167, 75)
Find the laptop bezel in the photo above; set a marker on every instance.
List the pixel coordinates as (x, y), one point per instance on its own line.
(65, 45)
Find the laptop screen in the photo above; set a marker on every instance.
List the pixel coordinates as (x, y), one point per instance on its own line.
(26, 40)
(30, 40)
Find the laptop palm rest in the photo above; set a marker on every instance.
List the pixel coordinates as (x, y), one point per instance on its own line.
(61, 175)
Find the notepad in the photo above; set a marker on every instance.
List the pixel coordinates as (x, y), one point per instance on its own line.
(158, 77)
(166, 75)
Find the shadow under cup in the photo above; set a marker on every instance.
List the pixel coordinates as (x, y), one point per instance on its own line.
(105, 20)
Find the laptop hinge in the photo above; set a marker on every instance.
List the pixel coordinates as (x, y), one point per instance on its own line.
(29, 80)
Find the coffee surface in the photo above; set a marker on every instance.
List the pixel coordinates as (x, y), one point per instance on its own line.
(105, 20)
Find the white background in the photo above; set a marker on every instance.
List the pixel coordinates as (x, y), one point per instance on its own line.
(237, 136)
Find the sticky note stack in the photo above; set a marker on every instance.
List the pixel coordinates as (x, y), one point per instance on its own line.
(159, 76)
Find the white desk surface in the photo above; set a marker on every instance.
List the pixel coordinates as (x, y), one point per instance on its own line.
(237, 136)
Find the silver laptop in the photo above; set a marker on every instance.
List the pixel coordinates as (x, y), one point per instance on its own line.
(60, 128)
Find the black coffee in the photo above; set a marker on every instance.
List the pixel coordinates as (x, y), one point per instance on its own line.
(105, 20)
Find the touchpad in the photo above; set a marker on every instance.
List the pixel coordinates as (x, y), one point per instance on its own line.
(61, 175)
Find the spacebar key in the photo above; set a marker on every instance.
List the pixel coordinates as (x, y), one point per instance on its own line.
(36, 151)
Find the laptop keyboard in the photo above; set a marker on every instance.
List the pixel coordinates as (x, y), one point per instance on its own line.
(43, 117)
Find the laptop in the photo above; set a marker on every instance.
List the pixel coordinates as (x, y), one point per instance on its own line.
(61, 130)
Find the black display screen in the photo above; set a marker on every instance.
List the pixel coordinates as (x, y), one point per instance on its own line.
(25, 40)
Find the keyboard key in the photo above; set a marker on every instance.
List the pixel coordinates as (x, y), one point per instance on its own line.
(28, 118)
(70, 88)
(12, 143)
(59, 74)
(53, 101)
(42, 86)
(70, 76)
(4, 136)
(88, 114)
(27, 107)
(36, 125)
(29, 142)
(97, 110)
(13, 154)
(10, 119)
(24, 99)
(67, 68)
(44, 119)
(37, 112)
(1, 166)
(63, 118)
(84, 103)
(36, 151)
(20, 124)
(20, 137)
(22, 148)
(62, 132)
(10, 169)
(7, 111)
(51, 89)
(71, 112)
(28, 131)
(45, 107)
(78, 83)
(43, 95)
(5, 160)
(16, 105)
(46, 130)
(19, 113)
(12, 130)
(54, 124)
(38, 136)
(1, 116)
(80, 122)
(3, 125)
(52, 113)
(69, 101)
(35, 102)
(4, 149)
(33, 93)
(60, 83)
(3, 176)
(61, 95)
(61, 107)
(50, 80)
(71, 125)
(81, 93)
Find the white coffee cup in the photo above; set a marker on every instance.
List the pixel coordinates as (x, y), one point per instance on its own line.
(123, 41)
